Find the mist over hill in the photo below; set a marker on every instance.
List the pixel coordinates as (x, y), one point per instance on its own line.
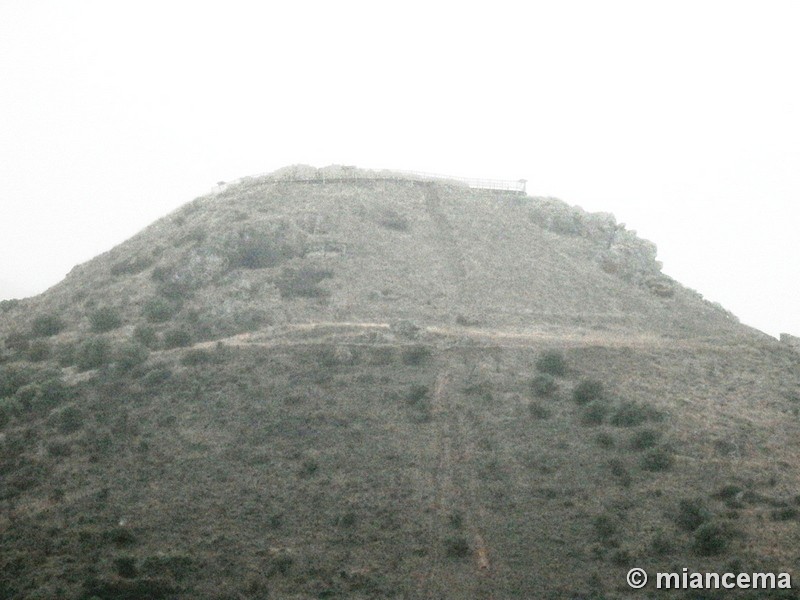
(324, 383)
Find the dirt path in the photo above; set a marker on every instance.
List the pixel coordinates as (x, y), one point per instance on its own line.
(370, 333)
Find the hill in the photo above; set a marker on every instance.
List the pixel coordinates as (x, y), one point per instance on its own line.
(339, 383)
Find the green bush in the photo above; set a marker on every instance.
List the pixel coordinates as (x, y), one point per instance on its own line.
(131, 266)
(9, 305)
(415, 355)
(68, 420)
(157, 376)
(38, 351)
(587, 391)
(105, 319)
(645, 438)
(657, 459)
(179, 337)
(711, 539)
(631, 414)
(158, 309)
(43, 395)
(46, 325)
(192, 358)
(594, 413)
(303, 282)
(539, 412)
(417, 393)
(130, 355)
(9, 408)
(66, 353)
(12, 378)
(259, 250)
(544, 385)
(18, 341)
(146, 336)
(456, 547)
(691, 514)
(93, 353)
(605, 528)
(552, 363)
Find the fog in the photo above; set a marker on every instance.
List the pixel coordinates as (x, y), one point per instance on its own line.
(682, 119)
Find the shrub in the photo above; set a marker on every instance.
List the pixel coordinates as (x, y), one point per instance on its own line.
(46, 325)
(631, 414)
(38, 351)
(657, 459)
(594, 413)
(587, 391)
(787, 513)
(130, 356)
(552, 363)
(12, 378)
(157, 376)
(192, 358)
(544, 385)
(391, 219)
(538, 411)
(178, 337)
(605, 440)
(9, 305)
(645, 438)
(258, 250)
(9, 408)
(620, 472)
(93, 353)
(40, 396)
(131, 266)
(105, 319)
(605, 528)
(692, 513)
(125, 567)
(146, 336)
(158, 309)
(415, 355)
(456, 547)
(711, 538)
(66, 354)
(303, 282)
(18, 341)
(416, 394)
(68, 420)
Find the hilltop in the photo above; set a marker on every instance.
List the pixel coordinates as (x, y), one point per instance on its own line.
(342, 383)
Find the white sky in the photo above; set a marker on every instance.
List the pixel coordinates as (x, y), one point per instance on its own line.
(681, 118)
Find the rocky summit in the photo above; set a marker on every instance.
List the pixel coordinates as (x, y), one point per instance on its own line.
(340, 383)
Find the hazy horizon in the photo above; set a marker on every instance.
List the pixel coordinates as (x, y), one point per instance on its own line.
(681, 120)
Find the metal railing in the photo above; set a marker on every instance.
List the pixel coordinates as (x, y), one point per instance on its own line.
(311, 175)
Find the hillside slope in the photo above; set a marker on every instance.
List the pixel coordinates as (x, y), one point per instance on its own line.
(386, 388)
